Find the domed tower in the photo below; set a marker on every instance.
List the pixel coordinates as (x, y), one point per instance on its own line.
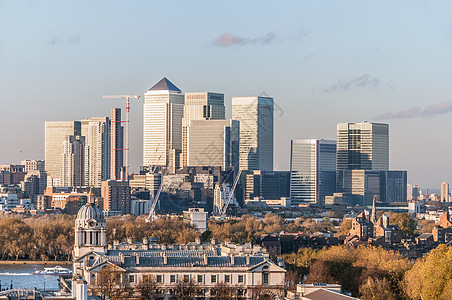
(90, 230)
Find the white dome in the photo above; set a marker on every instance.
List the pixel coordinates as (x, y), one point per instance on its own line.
(90, 211)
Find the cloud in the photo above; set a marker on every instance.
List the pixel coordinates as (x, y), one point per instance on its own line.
(364, 81)
(74, 39)
(229, 39)
(415, 111)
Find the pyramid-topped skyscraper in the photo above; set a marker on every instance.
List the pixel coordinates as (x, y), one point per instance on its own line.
(163, 110)
(164, 85)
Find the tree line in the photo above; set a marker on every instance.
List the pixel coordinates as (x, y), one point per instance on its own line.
(373, 273)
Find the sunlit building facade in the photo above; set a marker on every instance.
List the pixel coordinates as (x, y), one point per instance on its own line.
(56, 133)
(97, 150)
(363, 146)
(200, 106)
(255, 115)
(213, 143)
(163, 111)
(313, 170)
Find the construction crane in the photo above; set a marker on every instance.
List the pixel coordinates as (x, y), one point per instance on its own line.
(154, 203)
(224, 208)
(126, 148)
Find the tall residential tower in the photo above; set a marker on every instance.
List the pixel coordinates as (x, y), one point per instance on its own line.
(56, 132)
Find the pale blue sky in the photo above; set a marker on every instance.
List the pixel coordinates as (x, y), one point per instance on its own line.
(324, 62)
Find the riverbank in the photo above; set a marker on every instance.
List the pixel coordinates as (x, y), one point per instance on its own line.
(35, 262)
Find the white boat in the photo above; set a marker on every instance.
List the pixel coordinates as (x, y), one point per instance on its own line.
(54, 271)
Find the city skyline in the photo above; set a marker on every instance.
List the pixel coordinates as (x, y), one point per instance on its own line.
(361, 69)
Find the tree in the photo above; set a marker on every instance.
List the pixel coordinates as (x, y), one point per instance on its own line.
(346, 225)
(431, 276)
(148, 287)
(111, 282)
(185, 289)
(222, 291)
(319, 272)
(405, 222)
(376, 289)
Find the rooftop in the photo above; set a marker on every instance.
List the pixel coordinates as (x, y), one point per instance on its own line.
(164, 85)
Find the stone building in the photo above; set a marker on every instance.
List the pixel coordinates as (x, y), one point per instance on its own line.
(246, 268)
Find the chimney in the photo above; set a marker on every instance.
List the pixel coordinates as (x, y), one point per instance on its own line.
(247, 259)
(206, 260)
(385, 221)
(213, 241)
(232, 259)
(121, 257)
(137, 257)
(165, 258)
(198, 240)
(145, 244)
(129, 241)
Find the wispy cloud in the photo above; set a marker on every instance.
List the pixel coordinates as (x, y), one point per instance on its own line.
(364, 81)
(415, 111)
(74, 39)
(229, 39)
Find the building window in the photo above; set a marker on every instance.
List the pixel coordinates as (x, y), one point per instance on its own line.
(159, 278)
(240, 279)
(213, 278)
(265, 278)
(173, 278)
(227, 278)
(186, 278)
(199, 278)
(131, 278)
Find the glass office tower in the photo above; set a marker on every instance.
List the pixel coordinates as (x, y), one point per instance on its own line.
(312, 170)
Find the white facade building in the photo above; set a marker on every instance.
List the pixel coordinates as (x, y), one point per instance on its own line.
(255, 115)
(162, 125)
(97, 150)
(197, 217)
(246, 269)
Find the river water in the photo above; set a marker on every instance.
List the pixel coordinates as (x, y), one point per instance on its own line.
(21, 276)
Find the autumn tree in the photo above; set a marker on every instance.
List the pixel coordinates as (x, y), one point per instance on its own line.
(346, 225)
(376, 289)
(431, 276)
(405, 222)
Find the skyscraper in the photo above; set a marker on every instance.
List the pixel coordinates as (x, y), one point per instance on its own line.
(200, 106)
(313, 170)
(97, 150)
(116, 144)
(73, 161)
(444, 192)
(393, 186)
(359, 187)
(362, 146)
(255, 115)
(212, 143)
(163, 111)
(56, 133)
